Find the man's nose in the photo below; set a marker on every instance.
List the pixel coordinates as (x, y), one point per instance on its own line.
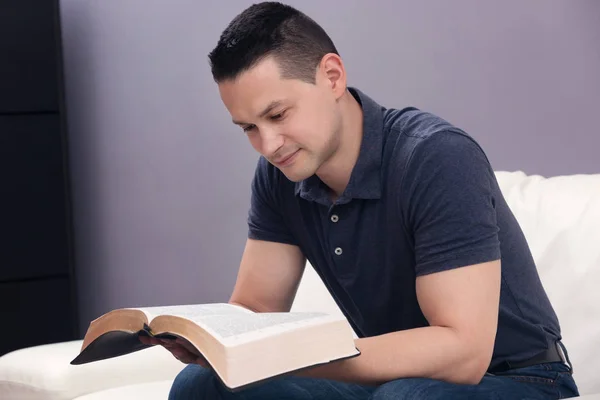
(272, 140)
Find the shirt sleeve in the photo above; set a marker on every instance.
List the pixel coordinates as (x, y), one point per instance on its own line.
(265, 220)
(449, 203)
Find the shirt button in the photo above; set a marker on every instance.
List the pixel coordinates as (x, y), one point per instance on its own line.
(335, 218)
(338, 251)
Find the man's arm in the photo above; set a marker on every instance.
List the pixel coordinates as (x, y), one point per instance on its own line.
(448, 200)
(461, 306)
(268, 277)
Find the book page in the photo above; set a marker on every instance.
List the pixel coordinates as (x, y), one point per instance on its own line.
(196, 311)
(234, 325)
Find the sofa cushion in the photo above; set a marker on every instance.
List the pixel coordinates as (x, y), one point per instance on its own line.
(44, 372)
(147, 391)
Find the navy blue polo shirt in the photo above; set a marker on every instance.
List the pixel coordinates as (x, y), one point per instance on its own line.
(422, 198)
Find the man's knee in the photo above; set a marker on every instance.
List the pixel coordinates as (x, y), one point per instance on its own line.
(194, 383)
(413, 389)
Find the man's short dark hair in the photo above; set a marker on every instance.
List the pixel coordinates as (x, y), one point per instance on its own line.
(274, 29)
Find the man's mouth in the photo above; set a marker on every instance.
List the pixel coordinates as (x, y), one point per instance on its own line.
(286, 160)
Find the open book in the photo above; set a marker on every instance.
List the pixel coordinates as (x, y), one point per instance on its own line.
(241, 346)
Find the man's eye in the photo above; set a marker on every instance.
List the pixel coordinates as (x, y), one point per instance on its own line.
(249, 128)
(277, 116)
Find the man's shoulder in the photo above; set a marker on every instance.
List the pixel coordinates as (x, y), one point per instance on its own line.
(415, 123)
(420, 144)
(410, 130)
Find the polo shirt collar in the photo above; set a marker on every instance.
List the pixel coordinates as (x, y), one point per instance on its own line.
(365, 179)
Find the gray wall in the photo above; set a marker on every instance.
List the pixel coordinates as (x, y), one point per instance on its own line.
(161, 176)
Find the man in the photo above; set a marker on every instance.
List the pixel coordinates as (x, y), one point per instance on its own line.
(401, 216)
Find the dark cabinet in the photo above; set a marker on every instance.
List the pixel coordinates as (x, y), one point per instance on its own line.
(33, 210)
(28, 58)
(38, 302)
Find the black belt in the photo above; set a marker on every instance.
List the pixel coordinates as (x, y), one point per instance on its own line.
(555, 353)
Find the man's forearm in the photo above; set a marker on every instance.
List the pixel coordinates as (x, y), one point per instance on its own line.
(429, 352)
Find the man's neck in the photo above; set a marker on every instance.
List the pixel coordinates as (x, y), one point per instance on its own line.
(335, 173)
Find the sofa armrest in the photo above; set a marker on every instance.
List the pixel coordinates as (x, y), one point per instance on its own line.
(45, 372)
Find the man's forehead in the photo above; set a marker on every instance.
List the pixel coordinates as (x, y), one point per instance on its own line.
(256, 96)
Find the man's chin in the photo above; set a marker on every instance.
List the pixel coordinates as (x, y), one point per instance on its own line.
(297, 174)
(296, 177)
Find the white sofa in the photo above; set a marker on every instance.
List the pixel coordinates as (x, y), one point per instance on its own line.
(561, 220)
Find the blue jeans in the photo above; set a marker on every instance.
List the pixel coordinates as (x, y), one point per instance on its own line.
(542, 381)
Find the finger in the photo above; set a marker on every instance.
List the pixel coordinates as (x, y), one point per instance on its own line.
(169, 345)
(188, 358)
(188, 346)
(178, 350)
(181, 353)
(173, 347)
(202, 362)
(149, 340)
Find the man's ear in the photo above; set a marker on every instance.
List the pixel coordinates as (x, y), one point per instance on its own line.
(333, 72)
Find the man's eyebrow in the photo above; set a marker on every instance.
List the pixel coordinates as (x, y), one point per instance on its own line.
(268, 109)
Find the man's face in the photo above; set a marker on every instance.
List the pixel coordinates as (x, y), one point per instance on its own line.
(293, 124)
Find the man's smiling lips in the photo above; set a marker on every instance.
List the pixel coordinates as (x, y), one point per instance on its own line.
(286, 160)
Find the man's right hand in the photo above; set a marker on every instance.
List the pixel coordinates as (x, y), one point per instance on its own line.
(180, 348)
